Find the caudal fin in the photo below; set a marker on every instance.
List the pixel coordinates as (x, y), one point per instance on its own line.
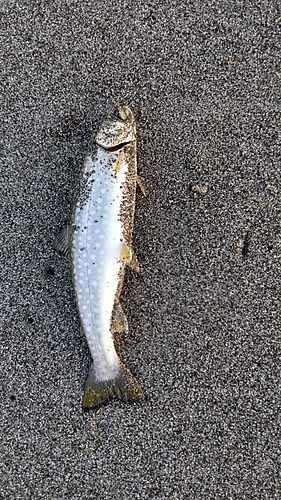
(124, 385)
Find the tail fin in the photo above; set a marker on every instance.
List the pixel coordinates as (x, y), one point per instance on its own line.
(124, 385)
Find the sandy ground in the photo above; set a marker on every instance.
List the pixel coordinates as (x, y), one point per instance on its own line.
(203, 79)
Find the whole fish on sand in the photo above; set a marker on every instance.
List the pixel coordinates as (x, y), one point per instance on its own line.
(98, 244)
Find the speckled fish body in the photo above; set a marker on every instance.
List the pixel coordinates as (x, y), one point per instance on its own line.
(100, 249)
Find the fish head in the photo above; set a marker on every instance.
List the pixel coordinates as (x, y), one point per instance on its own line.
(118, 129)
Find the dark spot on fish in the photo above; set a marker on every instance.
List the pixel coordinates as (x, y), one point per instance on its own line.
(30, 320)
(12, 397)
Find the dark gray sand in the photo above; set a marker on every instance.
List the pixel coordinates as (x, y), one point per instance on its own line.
(203, 79)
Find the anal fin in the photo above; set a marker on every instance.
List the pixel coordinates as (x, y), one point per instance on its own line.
(119, 321)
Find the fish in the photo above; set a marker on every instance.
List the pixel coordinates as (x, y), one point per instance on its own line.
(98, 243)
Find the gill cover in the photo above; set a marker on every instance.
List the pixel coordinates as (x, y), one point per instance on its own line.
(118, 129)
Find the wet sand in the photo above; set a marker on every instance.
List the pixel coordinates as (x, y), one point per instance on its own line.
(203, 80)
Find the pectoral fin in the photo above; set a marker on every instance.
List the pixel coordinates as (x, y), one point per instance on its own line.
(119, 164)
(61, 242)
(141, 186)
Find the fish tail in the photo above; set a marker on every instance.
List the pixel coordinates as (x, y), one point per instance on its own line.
(123, 385)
